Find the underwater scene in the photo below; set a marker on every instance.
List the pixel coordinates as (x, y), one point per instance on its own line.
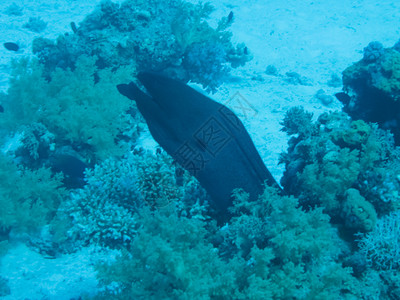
(171, 149)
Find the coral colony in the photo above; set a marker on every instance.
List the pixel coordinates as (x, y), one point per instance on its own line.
(73, 173)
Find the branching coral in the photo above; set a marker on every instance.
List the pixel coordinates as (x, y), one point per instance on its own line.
(104, 211)
(372, 88)
(297, 121)
(157, 179)
(381, 246)
(162, 183)
(206, 63)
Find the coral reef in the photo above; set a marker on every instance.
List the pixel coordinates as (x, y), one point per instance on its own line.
(163, 36)
(70, 110)
(169, 258)
(73, 175)
(104, 211)
(358, 213)
(271, 70)
(28, 199)
(206, 63)
(298, 121)
(270, 249)
(323, 97)
(344, 166)
(373, 51)
(372, 88)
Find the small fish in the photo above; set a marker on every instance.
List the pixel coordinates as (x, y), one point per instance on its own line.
(1, 109)
(230, 17)
(11, 46)
(72, 168)
(343, 97)
(73, 27)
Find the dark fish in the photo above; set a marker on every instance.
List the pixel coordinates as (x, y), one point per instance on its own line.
(1, 109)
(73, 27)
(72, 168)
(230, 17)
(343, 97)
(11, 46)
(204, 137)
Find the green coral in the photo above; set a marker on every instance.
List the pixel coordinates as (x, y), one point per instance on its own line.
(270, 249)
(297, 121)
(28, 199)
(387, 78)
(358, 214)
(356, 135)
(329, 178)
(149, 35)
(169, 258)
(74, 106)
(336, 155)
(382, 74)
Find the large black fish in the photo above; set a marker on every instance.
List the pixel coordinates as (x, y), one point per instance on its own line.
(203, 136)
